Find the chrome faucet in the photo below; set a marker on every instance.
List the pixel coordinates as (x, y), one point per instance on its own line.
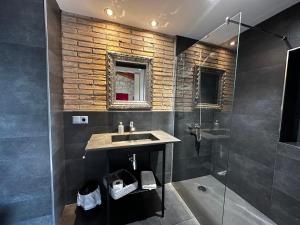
(131, 127)
(133, 160)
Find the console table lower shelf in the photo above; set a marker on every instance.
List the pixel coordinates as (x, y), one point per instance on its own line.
(139, 204)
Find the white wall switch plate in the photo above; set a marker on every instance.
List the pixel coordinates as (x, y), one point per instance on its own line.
(80, 119)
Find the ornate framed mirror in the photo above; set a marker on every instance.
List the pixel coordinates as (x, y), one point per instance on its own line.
(208, 87)
(129, 81)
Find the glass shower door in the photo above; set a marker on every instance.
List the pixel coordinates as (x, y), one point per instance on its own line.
(205, 81)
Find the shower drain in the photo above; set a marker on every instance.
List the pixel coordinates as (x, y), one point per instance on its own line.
(202, 188)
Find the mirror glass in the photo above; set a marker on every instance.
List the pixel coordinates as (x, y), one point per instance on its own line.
(130, 81)
(208, 87)
(290, 117)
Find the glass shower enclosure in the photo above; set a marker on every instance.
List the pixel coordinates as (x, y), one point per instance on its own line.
(205, 83)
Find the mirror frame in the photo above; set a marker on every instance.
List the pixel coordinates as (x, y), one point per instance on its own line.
(197, 87)
(112, 103)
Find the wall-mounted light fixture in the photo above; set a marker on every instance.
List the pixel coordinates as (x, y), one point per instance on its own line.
(154, 23)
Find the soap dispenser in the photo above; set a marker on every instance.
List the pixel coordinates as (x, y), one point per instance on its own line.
(121, 128)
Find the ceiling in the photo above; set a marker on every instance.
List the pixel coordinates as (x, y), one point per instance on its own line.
(189, 18)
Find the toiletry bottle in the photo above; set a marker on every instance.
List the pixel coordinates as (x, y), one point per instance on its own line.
(216, 125)
(121, 128)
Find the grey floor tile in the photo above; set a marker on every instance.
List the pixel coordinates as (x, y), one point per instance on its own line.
(150, 221)
(190, 222)
(176, 210)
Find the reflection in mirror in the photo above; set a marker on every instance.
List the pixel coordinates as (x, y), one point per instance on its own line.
(207, 87)
(129, 81)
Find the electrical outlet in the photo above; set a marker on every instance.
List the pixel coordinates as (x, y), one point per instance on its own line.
(80, 119)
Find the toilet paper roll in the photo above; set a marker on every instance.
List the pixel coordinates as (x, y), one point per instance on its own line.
(117, 184)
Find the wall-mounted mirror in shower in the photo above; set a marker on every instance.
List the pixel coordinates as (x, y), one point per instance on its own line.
(207, 88)
(129, 81)
(290, 121)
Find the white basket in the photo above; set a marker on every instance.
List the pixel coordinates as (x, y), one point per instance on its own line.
(128, 188)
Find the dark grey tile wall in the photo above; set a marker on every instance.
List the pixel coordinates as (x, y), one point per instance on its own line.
(187, 163)
(94, 166)
(56, 106)
(285, 204)
(25, 187)
(254, 152)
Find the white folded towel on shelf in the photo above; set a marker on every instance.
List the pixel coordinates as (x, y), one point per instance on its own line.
(148, 180)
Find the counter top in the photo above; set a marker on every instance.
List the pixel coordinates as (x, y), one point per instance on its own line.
(104, 141)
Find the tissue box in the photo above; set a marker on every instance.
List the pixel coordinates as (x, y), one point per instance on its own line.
(130, 183)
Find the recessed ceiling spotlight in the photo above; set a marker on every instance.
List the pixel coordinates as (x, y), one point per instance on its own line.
(154, 23)
(108, 11)
(232, 43)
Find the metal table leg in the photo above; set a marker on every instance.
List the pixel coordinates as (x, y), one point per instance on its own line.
(107, 190)
(163, 183)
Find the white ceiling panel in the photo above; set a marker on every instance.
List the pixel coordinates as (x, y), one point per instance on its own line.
(189, 18)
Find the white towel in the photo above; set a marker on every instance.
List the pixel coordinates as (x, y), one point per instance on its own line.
(148, 180)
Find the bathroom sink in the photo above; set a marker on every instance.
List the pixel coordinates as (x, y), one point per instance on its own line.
(106, 141)
(134, 137)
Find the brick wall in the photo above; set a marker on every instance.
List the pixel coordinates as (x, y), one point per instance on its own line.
(208, 56)
(85, 42)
